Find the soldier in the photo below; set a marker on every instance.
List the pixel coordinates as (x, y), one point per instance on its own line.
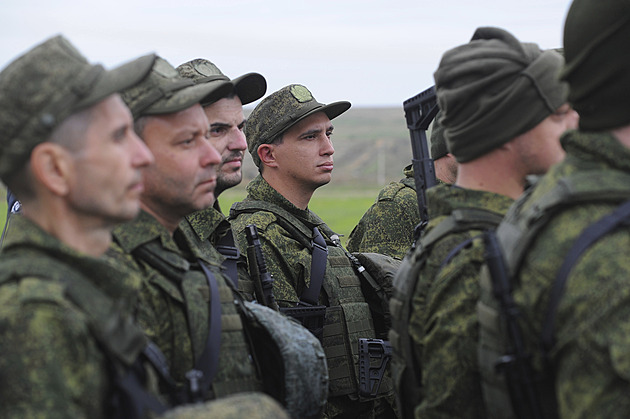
(289, 138)
(572, 293)
(388, 226)
(227, 122)
(70, 155)
(187, 306)
(497, 146)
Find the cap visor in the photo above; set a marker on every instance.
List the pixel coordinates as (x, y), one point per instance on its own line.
(118, 79)
(250, 87)
(182, 99)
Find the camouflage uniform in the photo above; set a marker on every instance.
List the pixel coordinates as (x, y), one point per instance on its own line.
(289, 262)
(592, 329)
(443, 325)
(175, 315)
(52, 364)
(388, 225)
(210, 225)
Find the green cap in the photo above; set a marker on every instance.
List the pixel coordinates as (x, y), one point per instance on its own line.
(46, 85)
(248, 87)
(164, 91)
(280, 111)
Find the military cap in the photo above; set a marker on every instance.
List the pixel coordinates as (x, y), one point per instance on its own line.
(280, 111)
(164, 91)
(46, 85)
(596, 39)
(248, 87)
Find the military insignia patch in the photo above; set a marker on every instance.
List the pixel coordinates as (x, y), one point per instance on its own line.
(207, 69)
(301, 94)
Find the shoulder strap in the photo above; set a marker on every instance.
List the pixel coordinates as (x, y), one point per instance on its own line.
(589, 236)
(201, 376)
(460, 220)
(230, 252)
(318, 269)
(300, 232)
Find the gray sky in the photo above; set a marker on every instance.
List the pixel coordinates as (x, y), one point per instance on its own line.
(372, 53)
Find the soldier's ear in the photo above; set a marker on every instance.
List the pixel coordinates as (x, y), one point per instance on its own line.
(52, 166)
(267, 155)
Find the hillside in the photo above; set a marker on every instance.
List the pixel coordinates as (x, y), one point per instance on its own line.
(371, 148)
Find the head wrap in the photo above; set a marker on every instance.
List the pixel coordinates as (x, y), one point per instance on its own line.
(596, 39)
(437, 140)
(493, 89)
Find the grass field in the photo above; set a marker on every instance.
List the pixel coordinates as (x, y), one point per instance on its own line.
(340, 207)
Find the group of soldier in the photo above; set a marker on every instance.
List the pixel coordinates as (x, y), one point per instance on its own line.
(125, 291)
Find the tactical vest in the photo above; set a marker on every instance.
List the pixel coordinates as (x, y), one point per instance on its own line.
(347, 317)
(515, 236)
(127, 351)
(235, 370)
(406, 368)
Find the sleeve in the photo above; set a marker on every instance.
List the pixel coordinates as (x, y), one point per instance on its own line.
(388, 226)
(50, 365)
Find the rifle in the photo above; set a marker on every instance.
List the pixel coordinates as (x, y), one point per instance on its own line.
(419, 112)
(258, 268)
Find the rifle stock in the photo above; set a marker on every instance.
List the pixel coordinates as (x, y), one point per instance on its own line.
(419, 112)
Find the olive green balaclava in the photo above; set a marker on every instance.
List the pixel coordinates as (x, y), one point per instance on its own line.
(596, 34)
(493, 89)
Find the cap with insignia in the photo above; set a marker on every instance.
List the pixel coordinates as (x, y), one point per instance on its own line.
(248, 87)
(280, 111)
(164, 91)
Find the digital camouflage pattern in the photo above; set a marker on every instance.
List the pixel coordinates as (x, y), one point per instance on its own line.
(175, 315)
(288, 259)
(387, 227)
(52, 365)
(592, 329)
(238, 406)
(443, 324)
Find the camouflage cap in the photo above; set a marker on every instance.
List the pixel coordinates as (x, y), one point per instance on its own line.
(164, 91)
(46, 85)
(248, 87)
(280, 111)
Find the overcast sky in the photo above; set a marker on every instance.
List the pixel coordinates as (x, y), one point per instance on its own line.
(372, 53)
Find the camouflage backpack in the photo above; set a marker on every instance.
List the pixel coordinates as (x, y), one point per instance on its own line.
(405, 366)
(511, 388)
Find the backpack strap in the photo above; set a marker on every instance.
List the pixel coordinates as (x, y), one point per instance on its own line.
(588, 237)
(318, 269)
(230, 252)
(201, 376)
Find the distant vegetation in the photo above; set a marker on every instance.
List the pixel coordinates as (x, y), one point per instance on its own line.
(371, 148)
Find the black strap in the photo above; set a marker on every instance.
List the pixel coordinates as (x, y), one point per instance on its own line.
(208, 362)
(230, 252)
(589, 236)
(318, 268)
